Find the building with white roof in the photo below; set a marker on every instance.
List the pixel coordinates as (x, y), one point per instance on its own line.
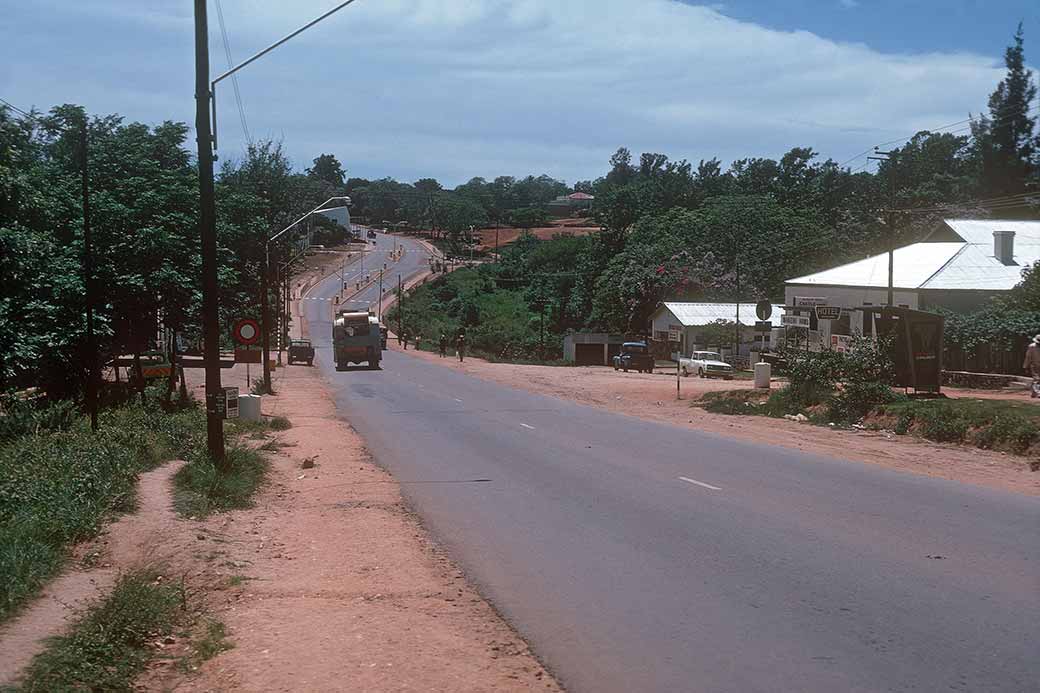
(959, 267)
(687, 322)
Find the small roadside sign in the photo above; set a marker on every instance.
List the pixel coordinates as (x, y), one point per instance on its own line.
(248, 356)
(673, 336)
(795, 320)
(230, 408)
(763, 326)
(810, 301)
(246, 331)
(828, 312)
(764, 309)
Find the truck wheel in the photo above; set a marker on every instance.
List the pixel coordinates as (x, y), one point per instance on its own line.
(700, 372)
(685, 373)
(310, 362)
(650, 371)
(373, 365)
(625, 369)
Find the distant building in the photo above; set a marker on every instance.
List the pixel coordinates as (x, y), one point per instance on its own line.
(683, 327)
(566, 205)
(591, 348)
(959, 267)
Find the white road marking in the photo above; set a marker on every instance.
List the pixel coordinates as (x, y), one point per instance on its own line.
(699, 483)
(458, 400)
(527, 426)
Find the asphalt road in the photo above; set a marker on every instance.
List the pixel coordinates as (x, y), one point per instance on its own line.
(637, 556)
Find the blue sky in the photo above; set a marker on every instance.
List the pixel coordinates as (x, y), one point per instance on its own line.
(462, 88)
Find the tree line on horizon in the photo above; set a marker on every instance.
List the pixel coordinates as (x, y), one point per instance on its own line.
(668, 229)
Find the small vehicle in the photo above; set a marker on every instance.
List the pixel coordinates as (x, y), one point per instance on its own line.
(356, 339)
(371, 233)
(706, 364)
(634, 356)
(301, 351)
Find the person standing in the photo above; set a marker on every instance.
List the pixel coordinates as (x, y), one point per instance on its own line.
(1032, 363)
(460, 345)
(443, 344)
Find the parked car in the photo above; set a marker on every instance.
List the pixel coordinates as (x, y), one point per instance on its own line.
(634, 356)
(301, 351)
(706, 364)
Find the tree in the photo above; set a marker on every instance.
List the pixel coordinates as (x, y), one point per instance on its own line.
(328, 169)
(527, 217)
(427, 185)
(1006, 145)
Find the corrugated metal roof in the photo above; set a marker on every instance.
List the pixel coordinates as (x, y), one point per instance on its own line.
(697, 314)
(949, 265)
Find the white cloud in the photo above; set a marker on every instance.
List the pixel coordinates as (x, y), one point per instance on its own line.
(455, 88)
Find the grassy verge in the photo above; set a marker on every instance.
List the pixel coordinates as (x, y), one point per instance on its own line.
(990, 424)
(58, 487)
(111, 644)
(201, 490)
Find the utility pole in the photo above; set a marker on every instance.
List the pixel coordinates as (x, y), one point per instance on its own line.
(379, 305)
(88, 284)
(736, 343)
(265, 321)
(890, 218)
(400, 309)
(208, 232)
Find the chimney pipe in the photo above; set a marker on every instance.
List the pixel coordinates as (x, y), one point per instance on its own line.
(1004, 247)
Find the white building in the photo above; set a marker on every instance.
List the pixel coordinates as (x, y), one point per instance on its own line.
(683, 325)
(959, 268)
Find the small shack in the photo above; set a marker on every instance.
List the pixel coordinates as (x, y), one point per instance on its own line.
(591, 348)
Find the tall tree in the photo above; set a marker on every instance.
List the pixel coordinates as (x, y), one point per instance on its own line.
(327, 168)
(1007, 146)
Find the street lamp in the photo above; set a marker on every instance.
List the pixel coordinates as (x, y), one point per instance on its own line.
(265, 338)
(205, 99)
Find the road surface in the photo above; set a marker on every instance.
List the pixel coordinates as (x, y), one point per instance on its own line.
(637, 556)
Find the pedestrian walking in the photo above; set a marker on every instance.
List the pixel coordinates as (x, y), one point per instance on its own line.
(460, 346)
(443, 344)
(1032, 365)
(404, 339)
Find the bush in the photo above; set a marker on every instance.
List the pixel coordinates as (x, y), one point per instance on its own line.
(26, 417)
(855, 400)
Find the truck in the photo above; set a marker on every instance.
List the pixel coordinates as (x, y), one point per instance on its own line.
(356, 339)
(635, 356)
(706, 364)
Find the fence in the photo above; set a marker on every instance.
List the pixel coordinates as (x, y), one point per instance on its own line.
(987, 358)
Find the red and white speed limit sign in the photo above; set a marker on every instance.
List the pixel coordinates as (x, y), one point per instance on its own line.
(246, 331)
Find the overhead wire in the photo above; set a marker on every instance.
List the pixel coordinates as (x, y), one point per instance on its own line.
(234, 78)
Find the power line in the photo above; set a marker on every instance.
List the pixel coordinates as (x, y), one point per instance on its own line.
(940, 130)
(234, 78)
(18, 110)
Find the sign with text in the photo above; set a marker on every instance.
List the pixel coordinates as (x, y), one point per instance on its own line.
(794, 320)
(248, 356)
(828, 312)
(763, 326)
(810, 301)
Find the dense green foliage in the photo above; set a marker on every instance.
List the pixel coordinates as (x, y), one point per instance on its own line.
(109, 647)
(58, 486)
(201, 490)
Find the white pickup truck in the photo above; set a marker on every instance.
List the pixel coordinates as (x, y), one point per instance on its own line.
(706, 364)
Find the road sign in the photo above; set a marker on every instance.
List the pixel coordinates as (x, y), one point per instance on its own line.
(674, 336)
(764, 309)
(248, 356)
(795, 320)
(810, 301)
(246, 331)
(229, 402)
(828, 312)
(763, 326)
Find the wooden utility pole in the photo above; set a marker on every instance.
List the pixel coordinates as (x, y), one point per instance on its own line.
(88, 284)
(208, 233)
(400, 310)
(890, 219)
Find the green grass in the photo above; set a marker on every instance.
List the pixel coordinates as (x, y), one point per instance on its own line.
(201, 490)
(212, 642)
(279, 423)
(991, 424)
(110, 645)
(59, 487)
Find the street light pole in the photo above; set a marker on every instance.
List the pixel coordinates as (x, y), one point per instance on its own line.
(208, 233)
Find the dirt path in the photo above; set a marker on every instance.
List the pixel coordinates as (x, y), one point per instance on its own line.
(141, 537)
(339, 585)
(653, 397)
